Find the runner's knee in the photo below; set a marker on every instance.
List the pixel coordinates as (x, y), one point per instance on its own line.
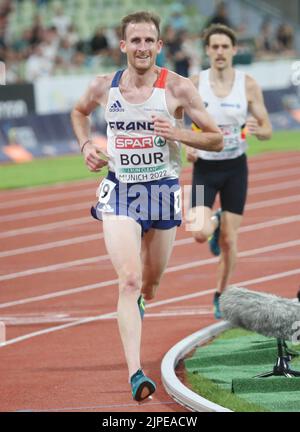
(227, 243)
(200, 236)
(130, 283)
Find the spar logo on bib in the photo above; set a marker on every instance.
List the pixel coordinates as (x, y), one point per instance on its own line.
(129, 143)
(159, 141)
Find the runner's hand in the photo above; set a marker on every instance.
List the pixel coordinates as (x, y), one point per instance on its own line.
(94, 157)
(191, 154)
(252, 126)
(164, 128)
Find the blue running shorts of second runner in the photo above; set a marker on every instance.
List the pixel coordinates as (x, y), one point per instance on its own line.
(154, 204)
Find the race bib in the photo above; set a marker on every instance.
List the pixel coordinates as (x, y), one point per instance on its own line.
(232, 137)
(104, 191)
(141, 159)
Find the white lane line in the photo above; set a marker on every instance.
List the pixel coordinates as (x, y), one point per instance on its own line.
(45, 227)
(152, 305)
(84, 205)
(258, 176)
(66, 208)
(273, 174)
(270, 223)
(268, 278)
(70, 291)
(49, 198)
(279, 161)
(273, 202)
(108, 407)
(93, 237)
(256, 166)
(247, 253)
(51, 245)
(44, 190)
(54, 267)
(93, 260)
(273, 187)
(12, 320)
(179, 267)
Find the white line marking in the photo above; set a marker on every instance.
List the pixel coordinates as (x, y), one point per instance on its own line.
(49, 198)
(273, 202)
(93, 237)
(273, 187)
(60, 293)
(255, 167)
(279, 161)
(51, 245)
(46, 227)
(92, 260)
(152, 305)
(273, 174)
(84, 205)
(44, 191)
(66, 208)
(54, 267)
(96, 407)
(193, 264)
(12, 320)
(250, 252)
(270, 223)
(243, 283)
(78, 221)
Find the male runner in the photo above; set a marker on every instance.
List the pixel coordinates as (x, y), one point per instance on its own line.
(143, 106)
(228, 96)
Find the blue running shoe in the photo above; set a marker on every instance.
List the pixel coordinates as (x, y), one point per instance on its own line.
(141, 304)
(216, 303)
(213, 241)
(141, 386)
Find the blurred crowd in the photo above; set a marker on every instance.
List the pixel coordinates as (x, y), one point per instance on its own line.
(56, 48)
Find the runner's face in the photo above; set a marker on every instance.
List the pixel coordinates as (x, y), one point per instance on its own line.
(141, 45)
(220, 51)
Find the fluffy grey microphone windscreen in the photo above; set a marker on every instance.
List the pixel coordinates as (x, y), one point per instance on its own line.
(260, 312)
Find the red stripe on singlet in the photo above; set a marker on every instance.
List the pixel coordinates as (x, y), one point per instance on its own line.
(161, 80)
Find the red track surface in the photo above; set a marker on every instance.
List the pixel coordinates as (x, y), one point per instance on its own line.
(82, 367)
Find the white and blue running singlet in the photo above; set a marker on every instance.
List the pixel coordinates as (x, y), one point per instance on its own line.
(136, 154)
(230, 114)
(142, 182)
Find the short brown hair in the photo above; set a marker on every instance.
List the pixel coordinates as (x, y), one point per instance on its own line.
(219, 29)
(139, 17)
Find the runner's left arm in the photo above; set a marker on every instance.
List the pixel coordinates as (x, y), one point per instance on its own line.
(189, 100)
(258, 125)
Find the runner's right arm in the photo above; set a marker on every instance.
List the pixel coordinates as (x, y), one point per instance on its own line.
(95, 95)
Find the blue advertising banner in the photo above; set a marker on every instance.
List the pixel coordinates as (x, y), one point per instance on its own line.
(25, 138)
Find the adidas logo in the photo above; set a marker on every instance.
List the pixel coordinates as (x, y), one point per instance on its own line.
(116, 107)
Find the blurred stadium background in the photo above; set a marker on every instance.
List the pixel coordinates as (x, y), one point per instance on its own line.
(50, 50)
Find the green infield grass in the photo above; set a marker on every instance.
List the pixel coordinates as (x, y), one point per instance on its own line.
(223, 372)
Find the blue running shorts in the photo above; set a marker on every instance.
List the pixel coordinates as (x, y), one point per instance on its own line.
(155, 204)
